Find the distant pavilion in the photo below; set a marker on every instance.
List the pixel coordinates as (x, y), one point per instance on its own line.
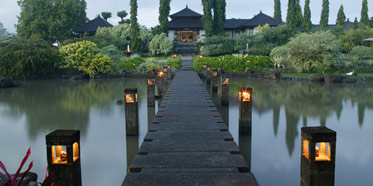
(91, 27)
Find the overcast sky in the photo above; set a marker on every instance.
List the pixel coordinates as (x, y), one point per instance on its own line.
(148, 9)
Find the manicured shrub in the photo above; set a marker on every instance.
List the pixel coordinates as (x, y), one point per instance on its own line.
(131, 63)
(315, 52)
(234, 63)
(218, 45)
(84, 56)
(160, 45)
(362, 52)
(279, 56)
(23, 59)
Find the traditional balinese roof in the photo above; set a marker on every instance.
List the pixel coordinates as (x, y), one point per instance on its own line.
(185, 23)
(262, 19)
(92, 26)
(186, 13)
(235, 23)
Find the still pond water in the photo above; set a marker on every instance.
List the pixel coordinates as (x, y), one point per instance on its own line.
(280, 109)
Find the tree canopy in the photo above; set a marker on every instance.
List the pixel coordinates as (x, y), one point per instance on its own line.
(135, 43)
(106, 15)
(164, 12)
(364, 13)
(324, 21)
(277, 13)
(207, 17)
(307, 24)
(341, 17)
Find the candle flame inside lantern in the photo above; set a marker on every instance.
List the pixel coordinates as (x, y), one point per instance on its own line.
(226, 81)
(128, 49)
(245, 96)
(322, 153)
(150, 82)
(215, 74)
(160, 74)
(129, 99)
(174, 56)
(200, 56)
(204, 66)
(208, 68)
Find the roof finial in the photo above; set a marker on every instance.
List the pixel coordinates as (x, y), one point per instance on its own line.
(260, 11)
(187, 5)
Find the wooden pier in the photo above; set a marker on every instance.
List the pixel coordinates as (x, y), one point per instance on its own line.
(188, 142)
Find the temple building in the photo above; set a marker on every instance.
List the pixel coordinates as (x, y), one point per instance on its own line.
(186, 26)
(91, 27)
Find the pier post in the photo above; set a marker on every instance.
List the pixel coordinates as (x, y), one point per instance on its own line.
(165, 77)
(151, 90)
(63, 156)
(318, 156)
(208, 75)
(169, 72)
(245, 110)
(204, 70)
(159, 80)
(132, 112)
(214, 81)
(225, 91)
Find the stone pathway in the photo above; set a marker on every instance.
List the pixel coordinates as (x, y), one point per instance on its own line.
(188, 142)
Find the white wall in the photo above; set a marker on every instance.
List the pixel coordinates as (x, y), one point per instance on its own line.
(171, 35)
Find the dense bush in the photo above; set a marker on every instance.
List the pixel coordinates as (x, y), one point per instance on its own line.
(362, 52)
(116, 56)
(279, 35)
(26, 58)
(131, 63)
(234, 63)
(355, 37)
(279, 56)
(218, 45)
(160, 45)
(84, 56)
(314, 52)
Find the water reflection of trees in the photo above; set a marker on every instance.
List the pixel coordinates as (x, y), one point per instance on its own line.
(305, 100)
(48, 105)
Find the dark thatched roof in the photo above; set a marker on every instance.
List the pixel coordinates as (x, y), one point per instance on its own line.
(185, 23)
(262, 19)
(186, 13)
(92, 26)
(235, 23)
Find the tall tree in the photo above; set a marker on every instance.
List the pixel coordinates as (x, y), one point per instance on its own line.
(50, 20)
(307, 24)
(341, 17)
(122, 14)
(219, 16)
(207, 17)
(277, 14)
(324, 21)
(106, 15)
(2, 30)
(294, 14)
(364, 13)
(135, 30)
(356, 23)
(164, 12)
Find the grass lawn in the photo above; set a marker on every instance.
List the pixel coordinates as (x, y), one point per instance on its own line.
(360, 75)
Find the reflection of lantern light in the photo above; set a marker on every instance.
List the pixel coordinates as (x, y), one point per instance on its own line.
(226, 81)
(245, 94)
(160, 74)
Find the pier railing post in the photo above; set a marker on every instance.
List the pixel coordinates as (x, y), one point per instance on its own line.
(63, 156)
(151, 90)
(132, 112)
(208, 76)
(225, 91)
(204, 70)
(245, 110)
(318, 156)
(214, 80)
(159, 80)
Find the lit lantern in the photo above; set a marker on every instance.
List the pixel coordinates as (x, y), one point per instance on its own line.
(169, 66)
(63, 155)
(174, 56)
(128, 45)
(131, 95)
(208, 68)
(151, 81)
(214, 73)
(225, 81)
(200, 56)
(318, 156)
(204, 66)
(165, 69)
(245, 94)
(151, 91)
(160, 74)
(132, 112)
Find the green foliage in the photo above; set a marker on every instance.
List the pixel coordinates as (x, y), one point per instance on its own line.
(315, 52)
(50, 20)
(356, 23)
(324, 21)
(354, 38)
(279, 56)
(307, 24)
(219, 16)
(277, 13)
(23, 59)
(279, 35)
(364, 13)
(260, 28)
(164, 12)
(341, 17)
(131, 63)
(218, 45)
(207, 17)
(115, 55)
(294, 14)
(174, 62)
(135, 30)
(122, 14)
(160, 45)
(106, 15)
(234, 63)
(362, 52)
(84, 56)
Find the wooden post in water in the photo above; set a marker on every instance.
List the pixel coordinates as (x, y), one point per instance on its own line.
(214, 80)
(159, 80)
(132, 112)
(63, 156)
(151, 90)
(225, 92)
(208, 75)
(245, 110)
(204, 70)
(318, 156)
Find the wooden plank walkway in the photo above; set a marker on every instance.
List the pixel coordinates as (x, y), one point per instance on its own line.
(188, 142)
